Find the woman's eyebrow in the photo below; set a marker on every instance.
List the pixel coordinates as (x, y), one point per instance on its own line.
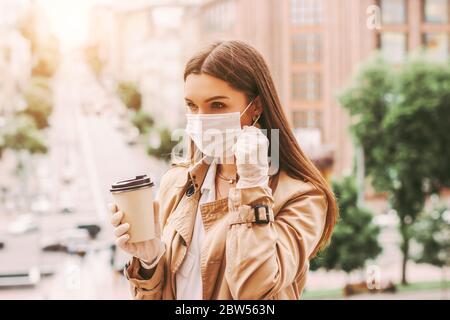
(209, 99)
(217, 97)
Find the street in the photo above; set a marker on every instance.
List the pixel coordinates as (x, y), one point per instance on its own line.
(87, 153)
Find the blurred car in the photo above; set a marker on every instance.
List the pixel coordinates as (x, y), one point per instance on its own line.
(74, 235)
(23, 278)
(2, 244)
(23, 224)
(73, 240)
(92, 229)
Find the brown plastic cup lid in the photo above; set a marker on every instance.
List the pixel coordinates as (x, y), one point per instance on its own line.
(132, 184)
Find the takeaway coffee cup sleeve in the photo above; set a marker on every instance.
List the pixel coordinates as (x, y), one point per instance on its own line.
(134, 197)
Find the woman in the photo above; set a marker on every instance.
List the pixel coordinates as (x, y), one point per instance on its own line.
(231, 229)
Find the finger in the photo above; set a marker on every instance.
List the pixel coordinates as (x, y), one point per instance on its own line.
(116, 218)
(121, 230)
(121, 241)
(112, 207)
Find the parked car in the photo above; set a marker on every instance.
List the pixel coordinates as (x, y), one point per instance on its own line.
(23, 224)
(92, 229)
(73, 240)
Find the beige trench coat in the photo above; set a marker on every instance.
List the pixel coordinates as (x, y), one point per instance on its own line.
(240, 259)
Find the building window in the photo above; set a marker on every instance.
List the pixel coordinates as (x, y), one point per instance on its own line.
(306, 48)
(436, 11)
(437, 46)
(393, 11)
(307, 119)
(393, 46)
(220, 16)
(307, 86)
(306, 12)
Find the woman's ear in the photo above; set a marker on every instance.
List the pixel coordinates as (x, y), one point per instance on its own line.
(258, 108)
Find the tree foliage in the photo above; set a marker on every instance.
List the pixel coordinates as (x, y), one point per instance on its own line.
(130, 95)
(401, 120)
(355, 237)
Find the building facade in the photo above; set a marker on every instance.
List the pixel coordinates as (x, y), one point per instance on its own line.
(314, 47)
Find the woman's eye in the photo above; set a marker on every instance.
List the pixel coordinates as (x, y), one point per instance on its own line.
(191, 106)
(217, 105)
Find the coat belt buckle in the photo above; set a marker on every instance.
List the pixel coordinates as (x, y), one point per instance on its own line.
(258, 219)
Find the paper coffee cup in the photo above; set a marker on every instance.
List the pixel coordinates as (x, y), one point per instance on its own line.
(134, 197)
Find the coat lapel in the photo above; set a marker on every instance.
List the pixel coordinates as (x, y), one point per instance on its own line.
(183, 217)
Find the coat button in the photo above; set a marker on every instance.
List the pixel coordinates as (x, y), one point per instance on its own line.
(190, 191)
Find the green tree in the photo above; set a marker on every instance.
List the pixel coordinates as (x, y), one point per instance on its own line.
(143, 121)
(39, 104)
(130, 95)
(163, 149)
(355, 237)
(400, 119)
(21, 134)
(432, 233)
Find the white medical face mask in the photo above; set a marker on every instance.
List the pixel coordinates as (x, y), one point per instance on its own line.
(215, 134)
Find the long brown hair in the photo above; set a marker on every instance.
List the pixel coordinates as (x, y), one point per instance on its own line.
(243, 67)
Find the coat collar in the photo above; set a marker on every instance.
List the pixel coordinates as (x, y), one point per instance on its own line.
(183, 216)
(197, 172)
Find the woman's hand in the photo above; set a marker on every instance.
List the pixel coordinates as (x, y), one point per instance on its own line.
(251, 158)
(146, 251)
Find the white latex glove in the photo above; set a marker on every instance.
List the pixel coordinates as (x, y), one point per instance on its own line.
(149, 251)
(251, 158)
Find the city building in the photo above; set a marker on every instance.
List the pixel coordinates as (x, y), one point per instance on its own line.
(314, 47)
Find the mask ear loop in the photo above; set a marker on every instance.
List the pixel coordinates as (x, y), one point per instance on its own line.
(245, 110)
(255, 121)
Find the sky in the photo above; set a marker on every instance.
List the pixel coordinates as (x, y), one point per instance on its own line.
(69, 19)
